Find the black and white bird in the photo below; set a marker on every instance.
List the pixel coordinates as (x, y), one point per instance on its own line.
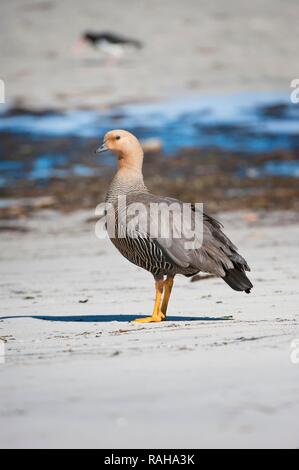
(109, 43)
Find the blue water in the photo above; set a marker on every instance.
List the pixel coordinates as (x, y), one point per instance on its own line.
(44, 167)
(275, 168)
(240, 123)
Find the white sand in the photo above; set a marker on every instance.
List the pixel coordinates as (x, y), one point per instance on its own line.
(193, 46)
(104, 382)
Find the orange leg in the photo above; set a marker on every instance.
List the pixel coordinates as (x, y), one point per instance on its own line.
(159, 312)
(167, 292)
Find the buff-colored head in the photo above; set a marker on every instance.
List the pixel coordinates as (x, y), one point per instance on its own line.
(126, 146)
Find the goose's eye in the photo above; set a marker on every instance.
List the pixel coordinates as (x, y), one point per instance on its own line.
(117, 137)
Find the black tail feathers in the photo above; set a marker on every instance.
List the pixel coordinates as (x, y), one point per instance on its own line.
(237, 280)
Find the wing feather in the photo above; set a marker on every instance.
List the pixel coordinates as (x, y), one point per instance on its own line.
(216, 253)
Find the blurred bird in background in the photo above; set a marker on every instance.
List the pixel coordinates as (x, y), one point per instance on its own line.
(112, 45)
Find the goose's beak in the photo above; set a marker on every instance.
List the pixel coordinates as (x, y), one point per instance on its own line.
(103, 148)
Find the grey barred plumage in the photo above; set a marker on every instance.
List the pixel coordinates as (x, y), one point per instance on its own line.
(217, 254)
(161, 256)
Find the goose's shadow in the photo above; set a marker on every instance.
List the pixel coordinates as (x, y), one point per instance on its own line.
(109, 318)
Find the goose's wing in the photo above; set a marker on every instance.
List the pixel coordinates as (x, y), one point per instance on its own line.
(208, 249)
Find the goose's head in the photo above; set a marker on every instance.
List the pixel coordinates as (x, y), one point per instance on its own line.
(126, 146)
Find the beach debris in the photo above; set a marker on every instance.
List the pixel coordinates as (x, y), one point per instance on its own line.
(22, 207)
(115, 353)
(14, 228)
(153, 145)
(250, 217)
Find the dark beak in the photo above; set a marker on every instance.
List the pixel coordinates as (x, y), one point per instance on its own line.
(103, 148)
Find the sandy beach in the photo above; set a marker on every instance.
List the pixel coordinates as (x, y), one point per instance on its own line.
(77, 373)
(189, 47)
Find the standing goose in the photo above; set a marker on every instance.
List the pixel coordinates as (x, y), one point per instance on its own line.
(165, 257)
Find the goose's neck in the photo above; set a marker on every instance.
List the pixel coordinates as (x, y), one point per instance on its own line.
(126, 180)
